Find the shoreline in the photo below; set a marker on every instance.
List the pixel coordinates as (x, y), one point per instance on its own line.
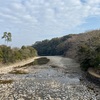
(7, 68)
(93, 73)
(93, 76)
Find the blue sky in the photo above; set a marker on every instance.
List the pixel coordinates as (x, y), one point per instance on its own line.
(34, 20)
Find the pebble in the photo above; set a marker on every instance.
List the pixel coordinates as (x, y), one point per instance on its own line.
(35, 86)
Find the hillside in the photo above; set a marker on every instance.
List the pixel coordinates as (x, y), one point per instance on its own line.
(84, 47)
(67, 45)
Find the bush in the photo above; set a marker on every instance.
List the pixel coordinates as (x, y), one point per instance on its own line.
(11, 55)
(89, 57)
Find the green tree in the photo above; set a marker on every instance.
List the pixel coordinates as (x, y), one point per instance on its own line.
(7, 37)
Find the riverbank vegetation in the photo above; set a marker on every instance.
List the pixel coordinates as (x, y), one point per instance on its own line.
(89, 56)
(84, 47)
(11, 55)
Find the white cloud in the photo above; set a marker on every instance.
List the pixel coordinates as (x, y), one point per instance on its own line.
(71, 12)
(46, 16)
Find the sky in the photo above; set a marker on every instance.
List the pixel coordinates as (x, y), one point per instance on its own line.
(35, 20)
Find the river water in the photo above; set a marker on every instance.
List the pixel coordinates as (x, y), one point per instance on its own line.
(59, 79)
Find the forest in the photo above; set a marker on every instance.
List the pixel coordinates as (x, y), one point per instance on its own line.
(84, 47)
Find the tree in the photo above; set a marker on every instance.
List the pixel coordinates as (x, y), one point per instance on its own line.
(7, 37)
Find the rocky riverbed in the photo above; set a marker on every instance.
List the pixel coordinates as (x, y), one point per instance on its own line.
(60, 79)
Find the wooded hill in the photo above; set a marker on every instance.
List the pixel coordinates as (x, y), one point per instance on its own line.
(73, 45)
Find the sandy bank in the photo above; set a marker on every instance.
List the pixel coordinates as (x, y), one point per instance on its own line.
(93, 73)
(93, 76)
(8, 68)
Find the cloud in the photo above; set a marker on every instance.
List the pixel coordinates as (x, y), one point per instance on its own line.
(52, 12)
(46, 16)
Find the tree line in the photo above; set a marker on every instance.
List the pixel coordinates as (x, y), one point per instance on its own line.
(84, 47)
(55, 46)
(11, 55)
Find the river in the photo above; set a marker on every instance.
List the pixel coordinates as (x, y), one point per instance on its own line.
(59, 79)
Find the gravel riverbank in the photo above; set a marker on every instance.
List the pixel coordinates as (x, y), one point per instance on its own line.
(60, 79)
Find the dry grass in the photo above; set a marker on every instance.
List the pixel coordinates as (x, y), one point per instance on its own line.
(18, 72)
(6, 81)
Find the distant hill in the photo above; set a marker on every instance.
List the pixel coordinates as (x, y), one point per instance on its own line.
(68, 45)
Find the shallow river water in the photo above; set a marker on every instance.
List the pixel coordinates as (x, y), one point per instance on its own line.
(60, 79)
